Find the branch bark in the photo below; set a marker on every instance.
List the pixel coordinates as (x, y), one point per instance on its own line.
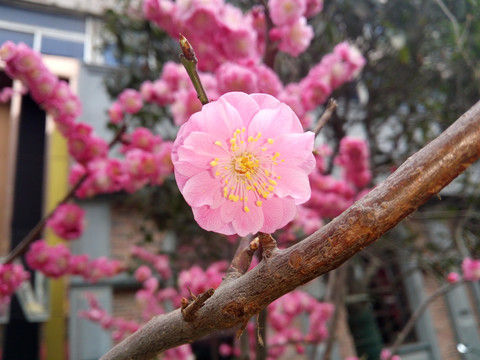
(422, 176)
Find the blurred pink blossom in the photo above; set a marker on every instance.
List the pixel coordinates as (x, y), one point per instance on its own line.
(67, 221)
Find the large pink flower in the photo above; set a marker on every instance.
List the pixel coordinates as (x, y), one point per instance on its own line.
(242, 164)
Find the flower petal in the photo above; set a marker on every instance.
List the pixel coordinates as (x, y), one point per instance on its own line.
(275, 122)
(201, 189)
(293, 184)
(277, 213)
(248, 222)
(209, 219)
(245, 102)
(302, 158)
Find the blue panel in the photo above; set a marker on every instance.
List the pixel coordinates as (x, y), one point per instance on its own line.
(53, 46)
(16, 37)
(109, 56)
(52, 21)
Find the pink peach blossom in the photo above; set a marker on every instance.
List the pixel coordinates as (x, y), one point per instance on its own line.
(453, 277)
(293, 38)
(131, 100)
(11, 277)
(285, 12)
(235, 166)
(235, 77)
(471, 269)
(143, 273)
(313, 8)
(115, 113)
(53, 261)
(68, 221)
(354, 157)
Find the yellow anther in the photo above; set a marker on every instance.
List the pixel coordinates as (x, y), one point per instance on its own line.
(250, 139)
(273, 182)
(271, 188)
(270, 141)
(214, 162)
(267, 172)
(219, 143)
(259, 203)
(233, 197)
(246, 209)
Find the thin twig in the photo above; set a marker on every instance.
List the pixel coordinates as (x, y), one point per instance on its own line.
(327, 114)
(419, 312)
(261, 351)
(189, 62)
(190, 311)
(242, 258)
(269, 245)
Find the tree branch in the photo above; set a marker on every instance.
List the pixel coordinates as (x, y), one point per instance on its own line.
(417, 180)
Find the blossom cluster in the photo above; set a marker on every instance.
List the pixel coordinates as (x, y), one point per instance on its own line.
(234, 36)
(67, 221)
(119, 327)
(145, 162)
(153, 299)
(159, 262)
(146, 157)
(175, 89)
(290, 23)
(331, 195)
(283, 312)
(57, 260)
(198, 281)
(55, 97)
(11, 276)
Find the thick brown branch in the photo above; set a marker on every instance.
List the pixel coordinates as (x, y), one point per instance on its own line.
(417, 180)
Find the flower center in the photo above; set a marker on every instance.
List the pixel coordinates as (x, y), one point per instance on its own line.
(245, 164)
(247, 169)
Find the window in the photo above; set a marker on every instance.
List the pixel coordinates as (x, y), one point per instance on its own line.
(53, 34)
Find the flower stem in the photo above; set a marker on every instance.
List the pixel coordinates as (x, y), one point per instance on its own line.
(189, 61)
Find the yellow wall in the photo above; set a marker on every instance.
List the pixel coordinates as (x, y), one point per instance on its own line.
(4, 144)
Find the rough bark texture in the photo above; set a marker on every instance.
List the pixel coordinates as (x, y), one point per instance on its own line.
(417, 180)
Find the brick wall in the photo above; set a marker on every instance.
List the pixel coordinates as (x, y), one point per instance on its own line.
(441, 322)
